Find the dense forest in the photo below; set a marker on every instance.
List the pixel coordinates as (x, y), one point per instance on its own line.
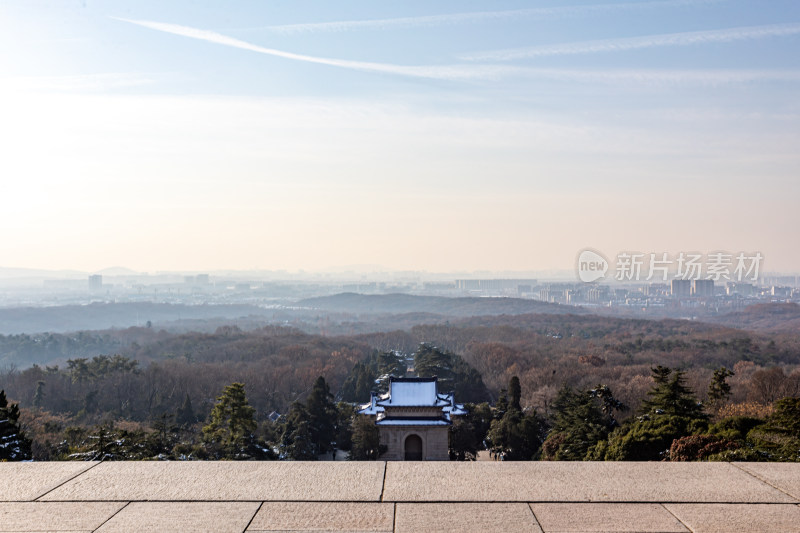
(529, 379)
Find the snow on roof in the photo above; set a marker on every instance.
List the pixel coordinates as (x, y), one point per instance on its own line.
(413, 422)
(371, 408)
(412, 392)
(452, 408)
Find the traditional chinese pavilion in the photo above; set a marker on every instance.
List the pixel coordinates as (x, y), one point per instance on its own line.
(413, 419)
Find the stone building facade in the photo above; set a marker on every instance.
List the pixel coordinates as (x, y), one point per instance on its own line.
(413, 419)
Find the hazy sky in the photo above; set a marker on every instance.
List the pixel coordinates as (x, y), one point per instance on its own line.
(448, 135)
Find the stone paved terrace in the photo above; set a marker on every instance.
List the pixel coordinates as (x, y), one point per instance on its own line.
(397, 496)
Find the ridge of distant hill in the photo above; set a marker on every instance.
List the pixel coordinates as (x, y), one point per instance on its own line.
(10, 273)
(457, 307)
(765, 317)
(100, 316)
(118, 271)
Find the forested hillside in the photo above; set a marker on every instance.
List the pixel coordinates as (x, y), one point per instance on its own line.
(140, 378)
(454, 307)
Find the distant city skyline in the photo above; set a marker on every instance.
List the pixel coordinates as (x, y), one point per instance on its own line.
(446, 137)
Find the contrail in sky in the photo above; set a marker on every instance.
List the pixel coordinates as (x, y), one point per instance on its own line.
(466, 18)
(444, 72)
(468, 71)
(635, 43)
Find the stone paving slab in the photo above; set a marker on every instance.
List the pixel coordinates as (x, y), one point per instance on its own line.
(617, 517)
(324, 516)
(727, 518)
(785, 476)
(27, 481)
(226, 480)
(55, 516)
(466, 517)
(635, 482)
(179, 517)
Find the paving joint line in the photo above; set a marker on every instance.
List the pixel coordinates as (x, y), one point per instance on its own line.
(48, 491)
(796, 500)
(667, 509)
(535, 520)
(394, 518)
(420, 502)
(253, 517)
(383, 484)
(110, 517)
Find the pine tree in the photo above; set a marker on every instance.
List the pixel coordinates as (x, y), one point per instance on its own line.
(671, 396)
(38, 395)
(296, 440)
(515, 435)
(185, 415)
(670, 412)
(430, 361)
(462, 441)
(579, 421)
(14, 446)
(322, 416)
(501, 407)
(366, 440)
(514, 393)
(230, 433)
(719, 389)
(164, 436)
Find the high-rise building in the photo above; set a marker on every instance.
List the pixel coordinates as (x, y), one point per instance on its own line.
(492, 284)
(703, 288)
(681, 288)
(96, 282)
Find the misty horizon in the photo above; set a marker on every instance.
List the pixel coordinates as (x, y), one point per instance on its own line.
(300, 138)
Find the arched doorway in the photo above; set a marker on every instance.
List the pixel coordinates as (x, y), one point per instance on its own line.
(413, 448)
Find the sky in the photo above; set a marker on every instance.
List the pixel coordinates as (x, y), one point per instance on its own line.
(437, 136)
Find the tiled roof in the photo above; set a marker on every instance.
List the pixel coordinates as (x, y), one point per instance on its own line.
(414, 421)
(412, 392)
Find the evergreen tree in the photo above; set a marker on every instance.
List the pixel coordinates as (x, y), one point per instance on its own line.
(372, 375)
(671, 396)
(366, 440)
(501, 407)
(322, 417)
(463, 443)
(230, 432)
(296, 441)
(779, 438)
(164, 436)
(14, 446)
(579, 421)
(103, 443)
(454, 373)
(185, 415)
(670, 412)
(430, 361)
(346, 412)
(38, 395)
(719, 389)
(514, 394)
(358, 384)
(515, 435)
(647, 438)
(392, 364)
(468, 432)
(480, 416)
